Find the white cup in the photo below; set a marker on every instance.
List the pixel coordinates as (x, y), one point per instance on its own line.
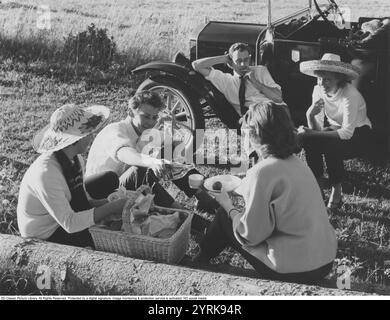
(195, 180)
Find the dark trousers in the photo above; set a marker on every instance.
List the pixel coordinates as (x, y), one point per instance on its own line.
(99, 186)
(220, 235)
(334, 152)
(134, 177)
(77, 239)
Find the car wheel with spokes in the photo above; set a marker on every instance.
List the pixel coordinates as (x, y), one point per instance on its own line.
(184, 110)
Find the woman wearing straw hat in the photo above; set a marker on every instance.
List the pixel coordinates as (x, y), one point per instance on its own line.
(53, 204)
(338, 126)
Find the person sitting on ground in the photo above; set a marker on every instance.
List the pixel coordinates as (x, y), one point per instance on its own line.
(121, 147)
(338, 126)
(53, 204)
(284, 231)
(247, 85)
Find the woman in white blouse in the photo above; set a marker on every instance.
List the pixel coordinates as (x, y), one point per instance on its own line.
(53, 204)
(284, 231)
(338, 126)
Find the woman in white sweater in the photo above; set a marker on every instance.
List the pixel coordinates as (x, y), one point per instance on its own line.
(284, 231)
(338, 126)
(53, 204)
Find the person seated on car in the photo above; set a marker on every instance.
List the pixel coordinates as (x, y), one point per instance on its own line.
(338, 126)
(284, 230)
(53, 204)
(247, 85)
(373, 34)
(122, 147)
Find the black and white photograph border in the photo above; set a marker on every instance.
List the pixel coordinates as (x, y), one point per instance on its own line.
(215, 78)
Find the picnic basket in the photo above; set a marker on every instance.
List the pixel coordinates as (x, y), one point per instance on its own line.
(169, 250)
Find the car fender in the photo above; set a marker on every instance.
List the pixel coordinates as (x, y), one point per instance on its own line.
(189, 78)
(196, 84)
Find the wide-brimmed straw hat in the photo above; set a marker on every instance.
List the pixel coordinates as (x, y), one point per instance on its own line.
(69, 124)
(332, 63)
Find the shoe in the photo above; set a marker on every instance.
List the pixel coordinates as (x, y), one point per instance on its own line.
(335, 205)
(205, 207)
(336, 190)
(206, 203)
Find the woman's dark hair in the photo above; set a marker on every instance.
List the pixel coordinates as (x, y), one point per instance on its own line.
(239, 46)
(342, 78)
(271, 126)
(145, 97)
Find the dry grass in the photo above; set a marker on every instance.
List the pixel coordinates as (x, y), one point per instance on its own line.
(146, 30)
(362, 224)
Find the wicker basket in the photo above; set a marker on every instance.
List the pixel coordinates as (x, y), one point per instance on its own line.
(170, 250)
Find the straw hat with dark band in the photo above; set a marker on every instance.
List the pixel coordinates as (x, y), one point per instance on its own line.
(332, 63)
(69, 124)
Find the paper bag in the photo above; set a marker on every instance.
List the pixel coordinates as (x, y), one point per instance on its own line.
(137, 214)
(163, 226)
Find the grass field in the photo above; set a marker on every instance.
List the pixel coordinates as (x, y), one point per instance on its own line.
(144, 31)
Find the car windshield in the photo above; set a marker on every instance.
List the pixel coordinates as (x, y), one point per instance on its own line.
(351, 9)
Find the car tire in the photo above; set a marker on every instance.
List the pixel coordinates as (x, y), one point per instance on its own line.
(188, 105)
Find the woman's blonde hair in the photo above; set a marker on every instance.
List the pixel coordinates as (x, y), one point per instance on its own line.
(272, 129)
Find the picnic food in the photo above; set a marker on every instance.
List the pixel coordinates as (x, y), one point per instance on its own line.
(177, 170)
(217, 186)
(163, 226)
(122, 193)
(145, 220)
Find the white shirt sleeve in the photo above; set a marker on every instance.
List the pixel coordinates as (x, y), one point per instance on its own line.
(149, 145)
(350, 110)
(219, 79)
(316, 94)
(50, 188)
(152, 140)
(119, 139)
(264, 76)
(319, 118)
(257, 223)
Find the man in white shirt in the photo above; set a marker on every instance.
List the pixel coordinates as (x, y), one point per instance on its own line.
(122, 147)
(247, 85)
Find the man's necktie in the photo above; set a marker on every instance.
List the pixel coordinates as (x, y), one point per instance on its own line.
(326, 121)
(241, 95)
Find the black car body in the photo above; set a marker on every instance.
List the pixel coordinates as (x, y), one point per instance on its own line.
(281, 45)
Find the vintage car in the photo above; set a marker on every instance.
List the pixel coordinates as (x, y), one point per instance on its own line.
(280, 45)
